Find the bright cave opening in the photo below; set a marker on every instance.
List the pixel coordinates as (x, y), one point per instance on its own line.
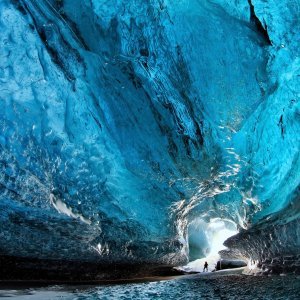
(205, 240)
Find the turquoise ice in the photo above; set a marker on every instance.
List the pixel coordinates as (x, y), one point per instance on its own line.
(126, 124)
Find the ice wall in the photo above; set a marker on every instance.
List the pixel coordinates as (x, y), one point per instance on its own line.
(124, 121)
(269, 142)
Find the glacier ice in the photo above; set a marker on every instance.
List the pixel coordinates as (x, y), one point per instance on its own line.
(123, 123)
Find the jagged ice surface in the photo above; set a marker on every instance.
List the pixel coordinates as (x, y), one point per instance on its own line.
(126, 124)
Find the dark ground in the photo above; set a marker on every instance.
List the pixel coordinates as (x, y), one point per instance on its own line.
(207, 286)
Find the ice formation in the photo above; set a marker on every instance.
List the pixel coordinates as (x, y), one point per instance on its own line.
(126, 124)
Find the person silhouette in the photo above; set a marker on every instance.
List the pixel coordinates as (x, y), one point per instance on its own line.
(205, 267)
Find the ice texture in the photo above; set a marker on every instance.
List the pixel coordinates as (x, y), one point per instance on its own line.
(122, 122)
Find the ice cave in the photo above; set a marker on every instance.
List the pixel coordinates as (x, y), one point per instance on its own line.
(139, 135)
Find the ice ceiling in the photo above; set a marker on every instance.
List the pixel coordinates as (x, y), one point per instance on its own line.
(125, 123)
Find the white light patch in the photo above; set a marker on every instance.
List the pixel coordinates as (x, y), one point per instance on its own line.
(252, 265)
(218, 234)
(61, 207)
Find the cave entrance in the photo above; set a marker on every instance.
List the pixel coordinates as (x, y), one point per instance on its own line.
(206, 240)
